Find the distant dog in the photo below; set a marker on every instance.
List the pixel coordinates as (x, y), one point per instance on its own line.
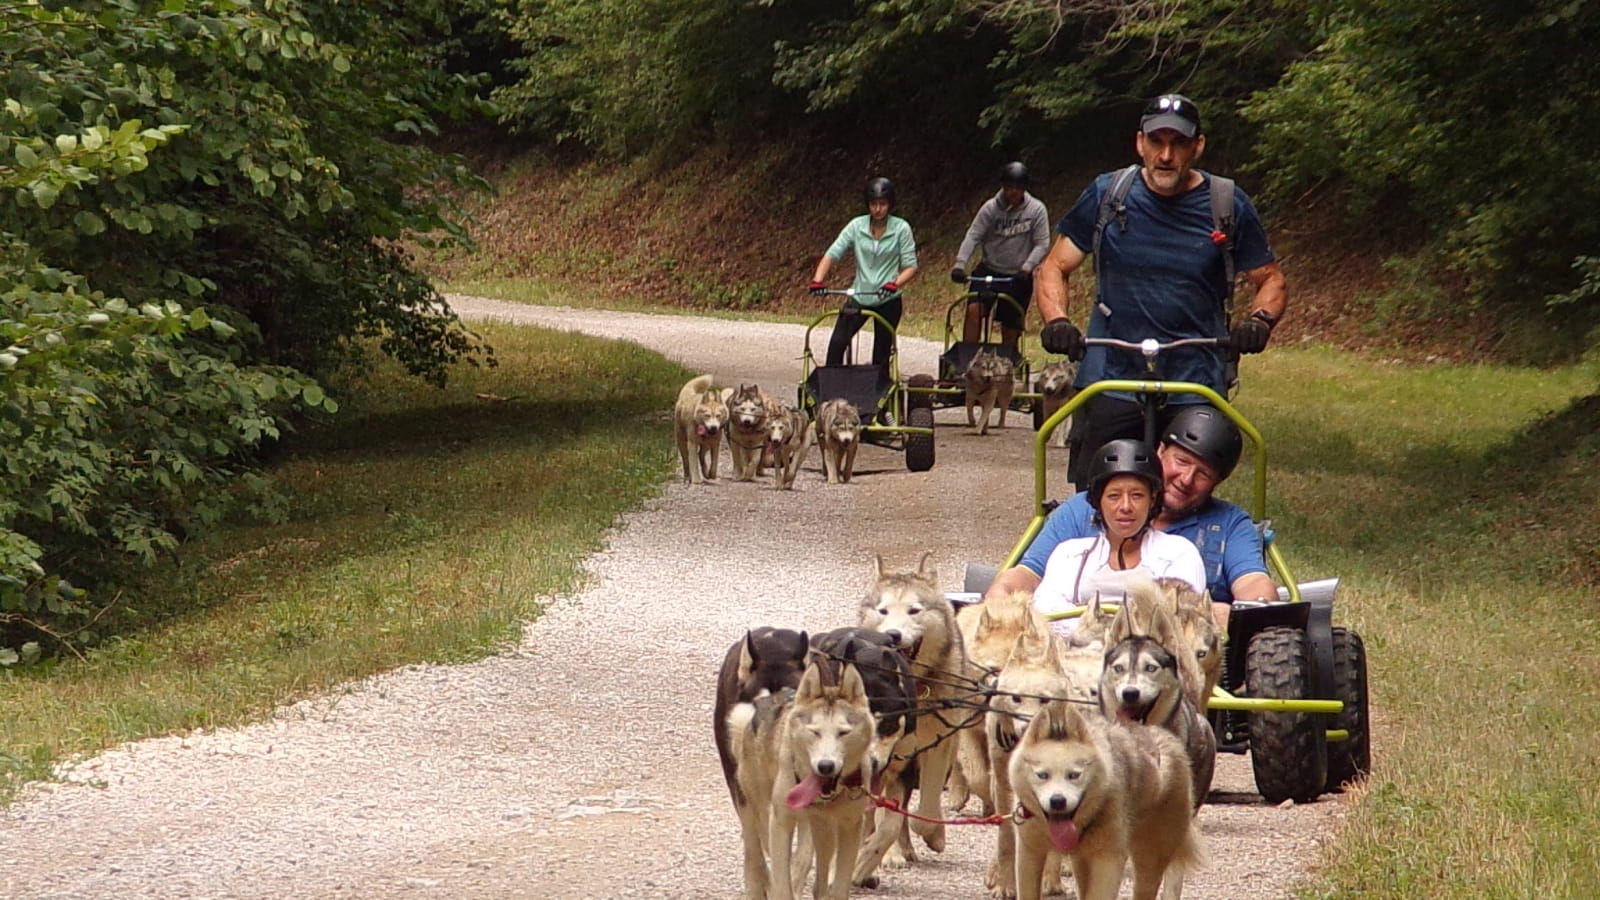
(892, 693)
(1089, 631)
(804, 761)
(1151, 678)
(991, 380)
(765, 661)
(1191, 610)
(839, 435)
(909, 608)
(748, 410)
(1055, 388)
(699, 418)
(1101, 792)
(788, 443)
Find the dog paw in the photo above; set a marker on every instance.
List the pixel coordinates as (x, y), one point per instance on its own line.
(932, 835)
(870, 883)
(1001, 880)
(895, 859)
(1053, 886)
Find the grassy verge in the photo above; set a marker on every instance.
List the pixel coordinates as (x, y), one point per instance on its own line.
(1457, 504)
(425, 526)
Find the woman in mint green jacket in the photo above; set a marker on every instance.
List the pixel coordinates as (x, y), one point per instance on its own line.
(886, 261)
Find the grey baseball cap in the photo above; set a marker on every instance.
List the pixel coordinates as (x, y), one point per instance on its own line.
(1174, 111)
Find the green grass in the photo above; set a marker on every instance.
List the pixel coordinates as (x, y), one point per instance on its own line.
(425, 526)
(1457, 504)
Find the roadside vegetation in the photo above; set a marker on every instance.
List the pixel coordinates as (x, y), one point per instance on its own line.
(423, 525)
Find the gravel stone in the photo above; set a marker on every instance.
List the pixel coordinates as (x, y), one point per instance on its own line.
(580, 764)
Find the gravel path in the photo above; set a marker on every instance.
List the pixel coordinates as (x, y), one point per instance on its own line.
(581, 763)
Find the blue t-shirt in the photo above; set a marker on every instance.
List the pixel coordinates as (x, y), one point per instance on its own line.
(1162, 277)
(1224, 534)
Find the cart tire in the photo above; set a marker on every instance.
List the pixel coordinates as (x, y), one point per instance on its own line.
(1351, 759)
(919, 447)
(918, 400)
(1289, 751)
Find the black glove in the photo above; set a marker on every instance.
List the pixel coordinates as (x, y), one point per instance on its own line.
(958, 275)
(1250, 336)
(1061, 336)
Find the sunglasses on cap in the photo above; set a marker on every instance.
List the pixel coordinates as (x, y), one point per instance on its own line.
(1172, 104)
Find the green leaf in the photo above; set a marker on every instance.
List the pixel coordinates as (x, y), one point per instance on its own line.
(88, 223)
(26, 158)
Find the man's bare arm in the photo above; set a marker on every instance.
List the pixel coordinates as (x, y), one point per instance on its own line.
(1050, 279)
(1016, 578)
(1272, 290)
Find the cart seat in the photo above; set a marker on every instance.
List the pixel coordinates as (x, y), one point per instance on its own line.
(954, 362)
(865, 386)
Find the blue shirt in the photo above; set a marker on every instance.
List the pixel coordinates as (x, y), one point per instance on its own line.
(1162, 277)
(1224, 534)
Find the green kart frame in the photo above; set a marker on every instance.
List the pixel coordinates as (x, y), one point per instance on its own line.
(1294, 687)
(948, 388)
(888, 418)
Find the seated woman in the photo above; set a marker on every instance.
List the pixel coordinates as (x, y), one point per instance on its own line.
(1125, 489)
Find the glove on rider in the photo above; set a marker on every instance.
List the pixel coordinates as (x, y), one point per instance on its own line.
(1250, 336)
(1061, 336)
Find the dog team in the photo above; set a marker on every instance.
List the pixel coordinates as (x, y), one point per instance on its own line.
(1087, 752)
(763, 433)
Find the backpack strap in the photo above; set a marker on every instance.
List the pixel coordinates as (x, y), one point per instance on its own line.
(1113, 205)
(1222, 220)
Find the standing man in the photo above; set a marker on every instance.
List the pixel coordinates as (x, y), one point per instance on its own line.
(1162, 272)
(1013, 228)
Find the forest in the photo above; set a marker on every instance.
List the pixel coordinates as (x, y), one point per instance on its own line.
(214, 204)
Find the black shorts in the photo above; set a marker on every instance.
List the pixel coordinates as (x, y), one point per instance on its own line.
(1020, 289)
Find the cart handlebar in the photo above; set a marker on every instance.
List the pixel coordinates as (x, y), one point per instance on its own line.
(988, 280)
(849, 292)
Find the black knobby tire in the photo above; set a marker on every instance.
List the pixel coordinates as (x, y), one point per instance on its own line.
(917, 399)
(919, 447)
(1289, 751)
(1349, 759)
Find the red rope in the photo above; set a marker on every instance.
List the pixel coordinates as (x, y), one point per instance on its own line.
(892, 806)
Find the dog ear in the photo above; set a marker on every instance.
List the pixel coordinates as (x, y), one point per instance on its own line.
(851, 688)
(802, 647)
(879, 558)
(1121, 627)
(747, 655)
(923, 569)
(810, 687)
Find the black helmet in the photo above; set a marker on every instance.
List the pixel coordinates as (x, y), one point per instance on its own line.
(1124, 456)
(1014, 174)
(1208, 434)
(880, 188)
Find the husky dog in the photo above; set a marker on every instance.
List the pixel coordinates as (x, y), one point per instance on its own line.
(1055, 388)
(988, 632)
(1090, 633)
(839, 434)
(1102, 792)
(788, 443)
(892, 693)
(748, 411)
(699, 418)
(803, 760)
(765, 661)
(1151, 677)
(910, 610)
(1191, 610)
(1032, 674)
(990, 382)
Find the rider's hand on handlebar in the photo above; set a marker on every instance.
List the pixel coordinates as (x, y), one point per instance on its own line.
(889, 289)
(817, 287)
(958, 275)
(1250, 336)
(1061, 336)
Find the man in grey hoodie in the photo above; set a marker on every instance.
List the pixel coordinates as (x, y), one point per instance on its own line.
(1013, 228)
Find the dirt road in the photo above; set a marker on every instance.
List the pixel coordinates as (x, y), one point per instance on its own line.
(581, 764)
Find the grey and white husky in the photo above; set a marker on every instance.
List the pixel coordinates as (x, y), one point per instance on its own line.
(1055, 389)
(991, 380)
(1151, 677)
(788, 443)
(839, 435)
(749, 407)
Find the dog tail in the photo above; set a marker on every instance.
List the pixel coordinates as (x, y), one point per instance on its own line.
(1190, 854)
(699, 384)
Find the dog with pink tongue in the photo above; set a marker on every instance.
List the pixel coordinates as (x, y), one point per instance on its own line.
(1102, 793)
